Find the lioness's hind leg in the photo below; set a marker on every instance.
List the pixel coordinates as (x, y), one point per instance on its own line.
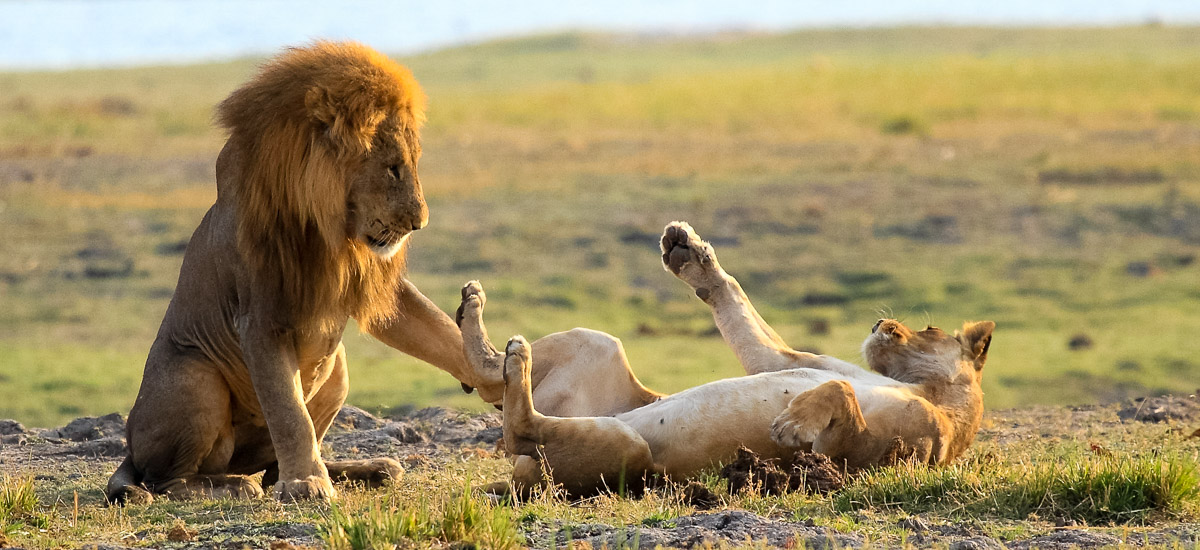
(758, 347)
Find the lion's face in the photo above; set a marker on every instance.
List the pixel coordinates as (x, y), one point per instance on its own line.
(385, 203)
(899, 352)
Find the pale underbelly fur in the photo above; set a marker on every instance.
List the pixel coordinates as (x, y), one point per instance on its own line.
(705, 425)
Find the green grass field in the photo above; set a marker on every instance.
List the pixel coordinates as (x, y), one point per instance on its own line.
(1047, 179)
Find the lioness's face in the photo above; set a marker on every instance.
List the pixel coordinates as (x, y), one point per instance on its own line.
(899, 352)
(385, 202)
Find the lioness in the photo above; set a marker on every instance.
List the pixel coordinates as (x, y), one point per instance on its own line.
(317, 193)
(923, 388)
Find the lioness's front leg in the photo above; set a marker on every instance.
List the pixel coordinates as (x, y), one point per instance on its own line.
(830, 418)
(477, 346)
(757, 346)
(270, 356)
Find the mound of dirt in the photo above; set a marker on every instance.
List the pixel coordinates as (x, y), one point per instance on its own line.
(749, 471)
(807, 471)
(11, 427)
(89, 428)
(1165, 408)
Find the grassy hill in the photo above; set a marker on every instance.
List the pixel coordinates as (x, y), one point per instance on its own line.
(1047, 179)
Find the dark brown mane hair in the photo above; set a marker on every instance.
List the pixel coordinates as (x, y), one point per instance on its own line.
(301, 126)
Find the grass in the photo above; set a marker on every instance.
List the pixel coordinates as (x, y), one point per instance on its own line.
(463, 517)
(1093, 489)
(1042, 178)
(19, 508)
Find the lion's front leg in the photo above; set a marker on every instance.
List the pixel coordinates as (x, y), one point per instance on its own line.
(270, 357)
(757, 346)
(425, 332)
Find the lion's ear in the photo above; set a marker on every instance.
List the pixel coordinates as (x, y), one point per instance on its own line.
(349, 121)
(976, 338)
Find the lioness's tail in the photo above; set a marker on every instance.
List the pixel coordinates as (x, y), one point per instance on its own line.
(125, 487)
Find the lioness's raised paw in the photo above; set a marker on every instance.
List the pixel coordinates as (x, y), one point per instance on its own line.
(517, 355)
(309, 488)
(473, 299)
(691, 259)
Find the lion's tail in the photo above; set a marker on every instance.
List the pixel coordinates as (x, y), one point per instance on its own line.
(125, 487)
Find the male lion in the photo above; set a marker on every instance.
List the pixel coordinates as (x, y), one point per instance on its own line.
(921, 400)
(317, 192)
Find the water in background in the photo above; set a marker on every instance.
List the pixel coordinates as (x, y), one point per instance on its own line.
(58, 34)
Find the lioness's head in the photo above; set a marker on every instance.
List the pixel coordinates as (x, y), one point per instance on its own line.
(333, 136)
(930, 355)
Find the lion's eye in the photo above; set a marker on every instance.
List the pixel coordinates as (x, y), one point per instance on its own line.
(394, 171)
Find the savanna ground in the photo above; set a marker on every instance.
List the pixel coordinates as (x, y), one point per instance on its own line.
(1046, 179)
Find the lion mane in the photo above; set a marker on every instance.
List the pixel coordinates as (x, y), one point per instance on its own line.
(297, 144)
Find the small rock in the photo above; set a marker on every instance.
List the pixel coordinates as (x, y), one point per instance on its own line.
(180, 533)
(354, 418)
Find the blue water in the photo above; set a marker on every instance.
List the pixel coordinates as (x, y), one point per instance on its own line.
(55, 34)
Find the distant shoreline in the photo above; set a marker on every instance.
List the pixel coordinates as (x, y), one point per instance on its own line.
(661, 35)
(78, 34)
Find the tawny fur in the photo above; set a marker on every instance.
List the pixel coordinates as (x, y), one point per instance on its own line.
(317, 192)
(582, 455)
(924, 392)
(307, 121)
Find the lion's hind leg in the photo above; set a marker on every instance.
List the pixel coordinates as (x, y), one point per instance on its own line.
(180, 434)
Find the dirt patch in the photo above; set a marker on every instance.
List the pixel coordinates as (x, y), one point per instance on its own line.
(810, 472)
(1166, 408)
(701, 530)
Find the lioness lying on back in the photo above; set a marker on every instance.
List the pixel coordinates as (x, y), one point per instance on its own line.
(923, 388)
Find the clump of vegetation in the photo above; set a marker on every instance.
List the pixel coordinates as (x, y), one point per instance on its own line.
(19, 506)
(1098, 489)
(461, 518)
(904, 124)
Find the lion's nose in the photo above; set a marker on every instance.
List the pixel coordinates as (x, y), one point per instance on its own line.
(876, 327)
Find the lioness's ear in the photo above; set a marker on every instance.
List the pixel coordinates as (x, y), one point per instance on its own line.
(348, 120)
(976, 338)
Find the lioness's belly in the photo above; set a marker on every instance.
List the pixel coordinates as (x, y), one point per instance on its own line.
(703, 426)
